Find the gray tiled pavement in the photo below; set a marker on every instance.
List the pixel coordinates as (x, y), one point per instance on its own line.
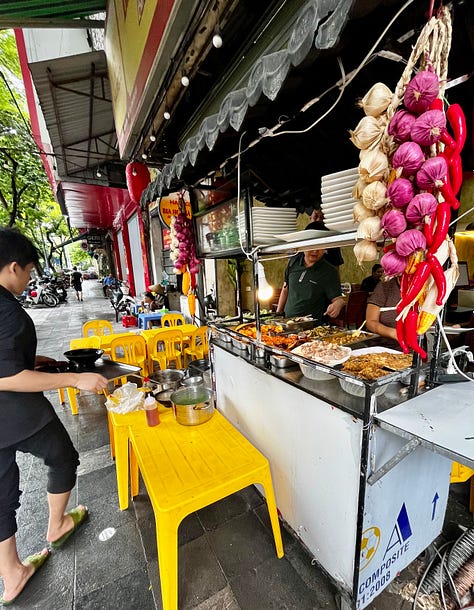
(227, 559)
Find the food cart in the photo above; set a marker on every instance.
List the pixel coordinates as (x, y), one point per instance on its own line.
(361, 478)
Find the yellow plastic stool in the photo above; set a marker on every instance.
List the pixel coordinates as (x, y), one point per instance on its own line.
(459, 474)
(188, 467)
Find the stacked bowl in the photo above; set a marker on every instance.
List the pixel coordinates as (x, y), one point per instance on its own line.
(337, 200)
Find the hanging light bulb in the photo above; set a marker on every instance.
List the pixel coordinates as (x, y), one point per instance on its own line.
(144, 156)
(98, 173)
(152, 137)
(184, 79)
(166, 114)
(265, 291)
(217, 38)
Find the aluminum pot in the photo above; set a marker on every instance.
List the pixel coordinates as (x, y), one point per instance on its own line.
(193, 381)
(192, 405)
(164, 397)
(201, 368)
(167, 379)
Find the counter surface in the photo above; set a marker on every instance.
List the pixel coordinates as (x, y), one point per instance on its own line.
(442, 419)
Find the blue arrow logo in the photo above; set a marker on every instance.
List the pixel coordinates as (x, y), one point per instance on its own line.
(434, 502)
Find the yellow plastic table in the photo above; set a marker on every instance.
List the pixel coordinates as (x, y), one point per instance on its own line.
(188, 467)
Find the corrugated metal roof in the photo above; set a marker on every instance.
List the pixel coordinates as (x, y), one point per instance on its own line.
(52, 9)
(76, 101)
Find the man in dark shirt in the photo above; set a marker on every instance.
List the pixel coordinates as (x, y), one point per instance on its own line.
(28, 422)
(311, 287)
(370, 282)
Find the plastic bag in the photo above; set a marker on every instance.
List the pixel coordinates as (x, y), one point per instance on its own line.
(126, 399)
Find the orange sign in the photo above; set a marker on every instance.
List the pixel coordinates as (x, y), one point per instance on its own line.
(170, 206)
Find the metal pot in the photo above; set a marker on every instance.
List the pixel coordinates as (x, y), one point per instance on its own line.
(193, 381)
(167, 379)
(164, 398)
(201, 368)
(192, 405)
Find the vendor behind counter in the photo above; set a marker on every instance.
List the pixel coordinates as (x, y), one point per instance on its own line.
(311, 287)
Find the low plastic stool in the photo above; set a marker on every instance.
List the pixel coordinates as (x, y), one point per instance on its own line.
(461, 473)
(188, 467)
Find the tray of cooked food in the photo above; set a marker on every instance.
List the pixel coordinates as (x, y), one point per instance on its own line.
(320, 352)
(337, 335)
(271, 335)
(371, 364)
(295, 324)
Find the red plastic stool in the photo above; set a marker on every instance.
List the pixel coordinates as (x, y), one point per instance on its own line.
(129, 321)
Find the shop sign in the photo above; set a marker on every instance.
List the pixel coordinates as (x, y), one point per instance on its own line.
(170, 206)
(95, 239)
(166, 239)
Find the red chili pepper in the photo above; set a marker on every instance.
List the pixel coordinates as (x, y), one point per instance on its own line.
(437, 104)
(401, 336)
(411, 322)
(419, 278)
(443, 217)
(448, 194)
(449, 142)
(428, 229)
(404, 283)
(438, 276)
(455, 173)
(457, 120)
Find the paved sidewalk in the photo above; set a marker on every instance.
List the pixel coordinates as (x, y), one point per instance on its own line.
(227, 560)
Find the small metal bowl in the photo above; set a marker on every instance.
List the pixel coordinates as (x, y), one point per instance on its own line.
(193, 381)
(164, 398)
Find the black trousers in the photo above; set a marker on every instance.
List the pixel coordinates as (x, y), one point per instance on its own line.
(54, 446)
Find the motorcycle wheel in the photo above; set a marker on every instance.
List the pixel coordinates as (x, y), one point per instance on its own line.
(50, 300)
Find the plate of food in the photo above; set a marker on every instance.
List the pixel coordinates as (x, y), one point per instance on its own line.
(321, 353)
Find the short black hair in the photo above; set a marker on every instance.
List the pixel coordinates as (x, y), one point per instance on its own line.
(376, 267)
(15, 247)
(150, 295)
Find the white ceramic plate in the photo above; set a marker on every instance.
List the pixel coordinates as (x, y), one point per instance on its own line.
(338, 203)
(308, 234)
(338, 184)
(342, 226)
(336, 206)
(339, 217)
(340, 174)
(274, 212)
(342, 193)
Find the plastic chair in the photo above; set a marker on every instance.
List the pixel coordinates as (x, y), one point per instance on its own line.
(165, 347)
(354, 312)
(172, 319)
(97, 327)
(199, 347)
(461, 473)
(131, 350)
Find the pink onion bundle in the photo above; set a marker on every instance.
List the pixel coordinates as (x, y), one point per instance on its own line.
(428, 127)
(432, 173)
(400, 126)
(400, 192)
(409, 241)
(408, 158)
(393, 223)
(420, 207)
(393, 264)
(421, 91)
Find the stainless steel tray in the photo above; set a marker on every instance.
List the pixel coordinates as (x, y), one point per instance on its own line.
(280, 362)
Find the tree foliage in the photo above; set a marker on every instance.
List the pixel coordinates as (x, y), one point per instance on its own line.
(26, 198)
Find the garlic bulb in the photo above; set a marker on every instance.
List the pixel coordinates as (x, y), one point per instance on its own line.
(365, 251)
(373, 166)
(374, 196)
(358, 189)
(369, 228)
(360, 212)
(367, 134)
(376, 100)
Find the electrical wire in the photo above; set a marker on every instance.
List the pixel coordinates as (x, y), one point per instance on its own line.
(452, 360)
(425, 573)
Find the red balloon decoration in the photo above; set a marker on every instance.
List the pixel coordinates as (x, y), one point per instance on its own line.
(138, 178)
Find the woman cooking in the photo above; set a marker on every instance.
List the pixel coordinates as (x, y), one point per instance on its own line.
(311, 287)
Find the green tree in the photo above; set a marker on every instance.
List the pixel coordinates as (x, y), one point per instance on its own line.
(26, 198)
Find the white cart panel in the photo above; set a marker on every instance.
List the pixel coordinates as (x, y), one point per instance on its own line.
(314, 454)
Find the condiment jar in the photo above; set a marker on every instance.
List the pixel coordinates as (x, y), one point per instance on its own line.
(151, 411)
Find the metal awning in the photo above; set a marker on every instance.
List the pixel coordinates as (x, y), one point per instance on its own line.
(54, 13)
(76, 101)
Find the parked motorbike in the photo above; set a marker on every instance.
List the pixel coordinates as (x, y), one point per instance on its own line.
(39, 293)
(121, 300)
(58, 287)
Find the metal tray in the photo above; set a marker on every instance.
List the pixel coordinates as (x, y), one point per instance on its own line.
(280, 362)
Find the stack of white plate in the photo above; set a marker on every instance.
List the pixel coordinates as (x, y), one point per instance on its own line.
(337, 201)
(267, 223)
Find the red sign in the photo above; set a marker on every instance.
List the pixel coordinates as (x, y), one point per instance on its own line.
(166, 239)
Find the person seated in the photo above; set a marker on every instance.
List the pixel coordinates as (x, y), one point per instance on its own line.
(108, 283)
(149, 302)
(381, 310)
(369, 283)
